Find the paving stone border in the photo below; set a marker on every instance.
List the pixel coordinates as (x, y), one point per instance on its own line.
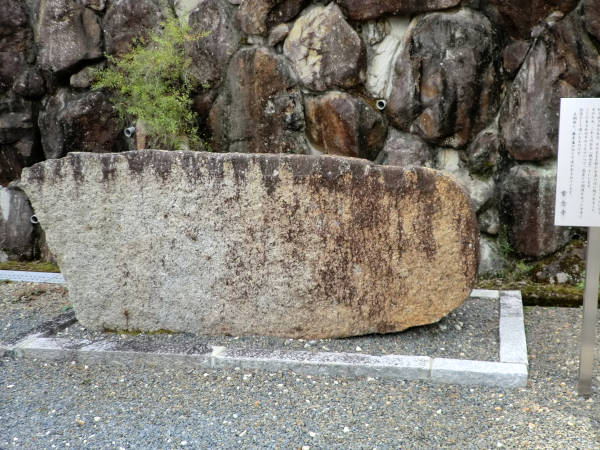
(510, 371)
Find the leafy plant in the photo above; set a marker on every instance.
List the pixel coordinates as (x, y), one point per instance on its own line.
(151, 84)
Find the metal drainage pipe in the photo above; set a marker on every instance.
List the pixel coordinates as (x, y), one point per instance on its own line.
(381, 104)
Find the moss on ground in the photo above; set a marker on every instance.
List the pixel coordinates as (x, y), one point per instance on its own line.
(30, 266)
(539, 294)
(138, 332)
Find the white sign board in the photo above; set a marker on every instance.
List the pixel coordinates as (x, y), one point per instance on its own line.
(578, 169)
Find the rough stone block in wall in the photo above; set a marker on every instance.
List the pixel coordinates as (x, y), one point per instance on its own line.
(446, 82)
(563, 62)
(284, 245)
(18, 146)
(527, 197)
(16, 230)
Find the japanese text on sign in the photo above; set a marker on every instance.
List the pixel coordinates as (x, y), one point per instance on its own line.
(578, 170)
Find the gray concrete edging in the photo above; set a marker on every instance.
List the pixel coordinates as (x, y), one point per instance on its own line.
(32, 277)
(510, 371)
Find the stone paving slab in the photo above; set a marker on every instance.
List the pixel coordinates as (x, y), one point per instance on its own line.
(509, 369)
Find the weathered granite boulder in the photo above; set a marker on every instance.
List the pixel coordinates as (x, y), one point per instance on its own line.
(372, 9)
(211, 53)
(562, 63)
(79, 122)
(447, 80)
(527, 206)
(285, 245)
(66, 34)
(325, 50)
(258, 16)
(259, 109)
(338, 123)
(16, 230)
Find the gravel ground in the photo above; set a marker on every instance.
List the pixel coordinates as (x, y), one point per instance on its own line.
(52, 405)
(26, 306)
(469, 332)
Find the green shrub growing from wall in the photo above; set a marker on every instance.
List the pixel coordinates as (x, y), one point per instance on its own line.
(151, 84)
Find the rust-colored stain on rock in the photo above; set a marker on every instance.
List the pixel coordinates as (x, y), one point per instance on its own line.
(284, 245)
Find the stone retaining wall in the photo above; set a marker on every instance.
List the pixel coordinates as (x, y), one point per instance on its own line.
(469, 87)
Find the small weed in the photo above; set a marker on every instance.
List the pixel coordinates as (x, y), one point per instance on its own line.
(504, 242)
(581, 284)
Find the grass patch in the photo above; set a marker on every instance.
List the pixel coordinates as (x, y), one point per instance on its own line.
(30, 266)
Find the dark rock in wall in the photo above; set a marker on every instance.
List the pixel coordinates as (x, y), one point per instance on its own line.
(16, 230)
(518, 17)
(258, 16)
(96, 5)
(325, 51)
(527, 207)
(481, 189)
(126, 20)
(278, 34)
(13, 17)
(447, 80)
(373, 9)
(210, 54)
(513, 56)
(30, 83)
(483, 153)
(15, 42)
(85, 77)
(489, 221)
(66, 34)
(339, 124)
(404, 150)
(591, 13)
(18, 137)
(492, 260)
(562, 63)
(84, 122)
(260, 106)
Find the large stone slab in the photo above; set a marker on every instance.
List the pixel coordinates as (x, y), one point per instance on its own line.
(247, 244)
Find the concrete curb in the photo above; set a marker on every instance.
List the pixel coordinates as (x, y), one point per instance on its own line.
(32, 277)
(511, 371)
